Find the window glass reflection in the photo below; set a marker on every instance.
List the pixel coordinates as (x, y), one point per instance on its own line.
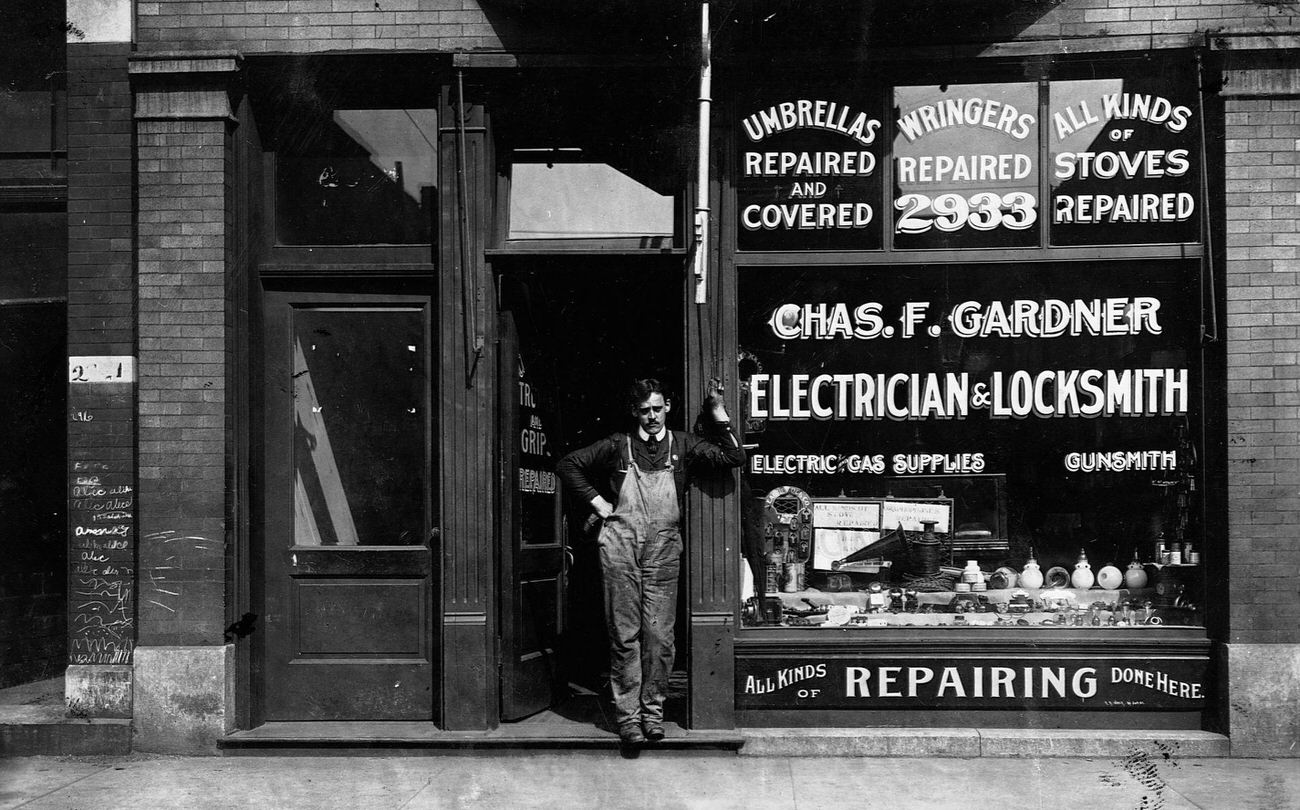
(359, 403)
(358, 177)
(584, 201)
(1095, 456)
(1124, 161)
(966, 166)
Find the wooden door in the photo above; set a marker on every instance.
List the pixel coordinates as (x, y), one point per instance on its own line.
(533, 557)
(348, 530)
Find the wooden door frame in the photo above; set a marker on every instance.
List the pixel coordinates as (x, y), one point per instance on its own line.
(377, 285)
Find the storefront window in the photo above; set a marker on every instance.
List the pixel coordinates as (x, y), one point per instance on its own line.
(357, 177)
(808, 174)
(982, 446)
(1125, 163)
(966, 166)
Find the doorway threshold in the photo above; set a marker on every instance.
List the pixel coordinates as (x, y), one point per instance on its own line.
(362, 738)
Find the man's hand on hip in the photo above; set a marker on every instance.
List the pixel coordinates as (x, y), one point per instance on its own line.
(602, 507)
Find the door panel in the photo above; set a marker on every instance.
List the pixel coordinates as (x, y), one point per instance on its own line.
(331, 624)
(349, 575)
(533, 559)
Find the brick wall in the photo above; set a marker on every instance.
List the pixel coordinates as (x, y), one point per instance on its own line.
(259, 26)
(1263, 336)
(182, 288)
(101, 321)
(279, 26)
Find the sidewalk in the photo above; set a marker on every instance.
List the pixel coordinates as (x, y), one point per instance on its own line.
(655, 779)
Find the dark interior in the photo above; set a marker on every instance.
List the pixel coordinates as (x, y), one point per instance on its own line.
(587, 329)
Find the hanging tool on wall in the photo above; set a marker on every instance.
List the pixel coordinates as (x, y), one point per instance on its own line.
(471, 294)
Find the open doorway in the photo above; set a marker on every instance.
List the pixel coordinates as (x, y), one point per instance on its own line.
(581, 330)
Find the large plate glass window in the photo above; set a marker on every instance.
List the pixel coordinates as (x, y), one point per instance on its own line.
(948, 445)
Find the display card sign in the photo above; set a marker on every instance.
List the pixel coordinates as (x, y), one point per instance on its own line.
(1125, 163)
(965, 166)
(912, 515)
(842, 527)
(846, 515)
(809, 174)
(1058, 682)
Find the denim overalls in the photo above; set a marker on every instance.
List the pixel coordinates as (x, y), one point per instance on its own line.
(640, 552)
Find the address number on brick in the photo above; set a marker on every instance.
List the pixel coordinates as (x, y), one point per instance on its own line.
(101, 369)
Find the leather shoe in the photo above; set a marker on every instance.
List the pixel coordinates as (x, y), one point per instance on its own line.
(654, 732)
(631, 734)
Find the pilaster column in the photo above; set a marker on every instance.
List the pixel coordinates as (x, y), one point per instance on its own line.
(1260, 661)
(184, 673)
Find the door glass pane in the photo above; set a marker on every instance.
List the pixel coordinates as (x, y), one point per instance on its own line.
(535, 411)
(360, 416)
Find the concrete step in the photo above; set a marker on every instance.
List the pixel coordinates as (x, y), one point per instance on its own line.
(34, 722)
(69, 736)
(371, 738)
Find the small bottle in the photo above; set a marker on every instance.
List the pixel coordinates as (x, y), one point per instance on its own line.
(790, 578)
(1082, 577)
(972, 573)
(1032, 575)
(1161, 555)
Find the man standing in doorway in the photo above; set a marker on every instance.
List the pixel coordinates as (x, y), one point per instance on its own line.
(636, 483)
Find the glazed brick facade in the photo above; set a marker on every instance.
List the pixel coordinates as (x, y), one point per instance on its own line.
(182, 439)
(101, 322)
(1263, 337)
(310, 26)
(101, 318)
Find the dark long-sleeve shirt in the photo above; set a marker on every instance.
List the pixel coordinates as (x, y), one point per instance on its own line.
(600, 467)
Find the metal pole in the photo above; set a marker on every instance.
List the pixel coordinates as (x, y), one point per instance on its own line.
(701, 254)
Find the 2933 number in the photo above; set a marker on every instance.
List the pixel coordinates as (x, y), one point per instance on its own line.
(985, 211)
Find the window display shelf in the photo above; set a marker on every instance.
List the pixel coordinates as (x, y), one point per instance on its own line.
(1033, 639)
(1053, 608)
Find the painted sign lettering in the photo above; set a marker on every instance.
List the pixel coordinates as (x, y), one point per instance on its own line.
(807, 177)
(966, 166)
(1124, 163)
(1003, 683)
